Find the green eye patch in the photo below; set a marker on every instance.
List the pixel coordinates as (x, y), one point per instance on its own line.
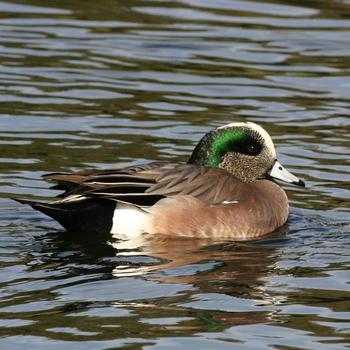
(238, 141)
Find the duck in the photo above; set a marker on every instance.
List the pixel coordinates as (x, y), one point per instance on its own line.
(227, 189)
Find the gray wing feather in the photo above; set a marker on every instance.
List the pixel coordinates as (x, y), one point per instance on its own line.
(151, 182)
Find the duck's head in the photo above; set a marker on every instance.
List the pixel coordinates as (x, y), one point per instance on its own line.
(243, 149)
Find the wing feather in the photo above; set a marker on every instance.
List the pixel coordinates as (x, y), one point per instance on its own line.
(145, 185)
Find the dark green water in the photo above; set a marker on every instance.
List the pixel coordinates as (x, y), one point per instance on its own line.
(89, 84)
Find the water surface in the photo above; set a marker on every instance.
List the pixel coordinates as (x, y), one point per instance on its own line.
(93, 84)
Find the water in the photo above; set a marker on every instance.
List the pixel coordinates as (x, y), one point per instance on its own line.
(92, 84)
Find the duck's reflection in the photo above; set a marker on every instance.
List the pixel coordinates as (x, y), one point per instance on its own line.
(192, 260)
(173, 259)
(228, 271)
(212, 267)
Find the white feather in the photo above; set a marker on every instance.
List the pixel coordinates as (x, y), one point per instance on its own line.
(129, 221)
(71, 198)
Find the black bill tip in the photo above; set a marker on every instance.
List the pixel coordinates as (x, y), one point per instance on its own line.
(300, 183)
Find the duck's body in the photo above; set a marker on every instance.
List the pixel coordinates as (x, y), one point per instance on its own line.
(248, 216)
(206, 197)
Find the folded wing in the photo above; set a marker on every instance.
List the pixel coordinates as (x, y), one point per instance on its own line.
(145, 185)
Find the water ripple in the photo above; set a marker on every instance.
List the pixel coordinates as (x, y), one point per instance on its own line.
(110, 83)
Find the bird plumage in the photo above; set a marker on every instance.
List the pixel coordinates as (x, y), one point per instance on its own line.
(228, 199)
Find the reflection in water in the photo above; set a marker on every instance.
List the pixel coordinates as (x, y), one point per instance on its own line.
(96, 84)
(174, 253)
(215, 276)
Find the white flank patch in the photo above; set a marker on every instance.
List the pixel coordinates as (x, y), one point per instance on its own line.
(229, 202)
(264, 134)
(129, 221)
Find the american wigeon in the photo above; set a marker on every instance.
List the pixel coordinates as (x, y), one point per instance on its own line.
(225, 190)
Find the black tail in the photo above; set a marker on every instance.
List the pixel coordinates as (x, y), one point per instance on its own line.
(91, 215)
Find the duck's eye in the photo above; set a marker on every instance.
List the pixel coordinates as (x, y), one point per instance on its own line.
(253, 149)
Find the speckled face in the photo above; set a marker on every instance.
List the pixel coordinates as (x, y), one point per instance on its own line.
(243, 149)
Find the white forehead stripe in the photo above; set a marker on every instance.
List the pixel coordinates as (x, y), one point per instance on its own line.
(262, 132)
